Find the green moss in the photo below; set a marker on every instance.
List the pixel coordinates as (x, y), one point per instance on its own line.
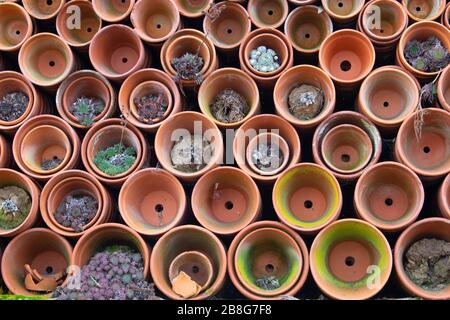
(116, 159)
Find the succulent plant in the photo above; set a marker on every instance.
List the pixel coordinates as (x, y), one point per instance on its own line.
(116, 159)
(86, 109)
(188, 67)
(13, 105)
(428, 56)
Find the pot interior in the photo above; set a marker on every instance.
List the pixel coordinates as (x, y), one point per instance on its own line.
(344, 7)
(390, 22)
(230, 27)
(268, 13)
(192, 6)
(195, 264)
(90, 24)
(15, 27)
(422, 9)
(43, 8)
(112, 9)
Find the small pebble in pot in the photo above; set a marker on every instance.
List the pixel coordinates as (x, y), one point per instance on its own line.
(264, 59)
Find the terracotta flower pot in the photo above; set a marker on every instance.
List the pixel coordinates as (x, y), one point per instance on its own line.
(302, 2)
(152, 201)
(444, 197)
(307, 27)
(116, 51)
(139, 77)
(43, 9)
(268, 13)
(109, 234)
(347, 56)
(185, 239)
(419, 10)
(343, 11)
(229, 29)
(155, 20)
(346, 118)
(10, 177)
(85, 83)
(438, 228)
(225, 200)
(387, 97)
(193, 8)
(446, 17)
(73, 182)
(113, 10)
(108, 133)
(30, 150)
(268, 249)
(43, 250)
(389, 196)
(259, 124)
(299, 75)
(90, 23)
(229, 78)
(5, 153)
(150, 88)
(46, 60)
(428, 155)
(443, 89)
(16, 26)
(271, 38)
(185, 124)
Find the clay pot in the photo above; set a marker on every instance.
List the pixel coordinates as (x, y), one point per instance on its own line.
(273, 39)
(231, 27)
(74, 182)
(43, 9)
(193, 8)
(268, 13)
(152, 201)
(302, 2)
(150, 88)
(266, 249)
(421, 31)
(260, 124)
(79, 38)
(419, 10)
(445, 19)
(387, 97)
(116, 51)
(183, 239)
(182, 124)
(139, 77)
(443, 89)
(438, 228)
(46, 60)
(155, 20)
(225, 200)
(16, 26)
(30, 149)
(189, 41)
(307, 27)
(42, 249)
(106, 134)
(113, 10)
(389, 196)
(344, 11)
(428, 155)
(294, 77)
(444, 197)
(109, 234)
(228, 78)
(10, 177)
(5, 153)
(346, 118)
(85, 83)
(347, 56)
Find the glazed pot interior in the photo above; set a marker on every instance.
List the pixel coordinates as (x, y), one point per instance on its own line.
(15, 25)
(344, 7)
(43, 9)
(112, 9)
(423, 9)
(267, 13)
(390, 23)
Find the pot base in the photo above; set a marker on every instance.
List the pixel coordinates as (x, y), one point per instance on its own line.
(49, 263)
(228, 205)
(389, 202)
(308, 204)
(159, 208)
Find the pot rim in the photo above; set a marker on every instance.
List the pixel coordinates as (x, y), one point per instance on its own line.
(107, 18)
(203, 257)
(415, 19)
(254, 3)
(440, 86)
(29, 24)
(191, 14)
(444, 205)
(29, 92)
(346, 17)
(33, 13)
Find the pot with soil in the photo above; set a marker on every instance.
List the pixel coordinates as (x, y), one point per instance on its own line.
(423, 143)
(193, 8)
(35, 262)
(152, 201)
(16, 26)
(389, 195)
(5, 153)
(229, 97)
(419, 10)
(112, 150)
(19, 202)
(268, 13)
(307, 27)
(262, 124)
(443, 89)
(268, 260)
(343, 11)
(84, 98)
(189, 283)
(225, 200)
(304, 95)
(188, 145)
(43, 9)
(135, 80)
(421, 259)
(113, 11)
(444, 197)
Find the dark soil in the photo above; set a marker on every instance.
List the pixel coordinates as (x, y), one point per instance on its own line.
(188, 67)
(85, 109)
(50, 164)
(429, 55)
(306, 102)
(427, 263)
(76, 211)
(191, 153)
(13, 106)
(229, 107)
(151, 108)
(116, 159)
(15, 204)
(267, 157)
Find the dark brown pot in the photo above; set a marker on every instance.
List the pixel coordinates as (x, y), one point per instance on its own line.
(16, 26)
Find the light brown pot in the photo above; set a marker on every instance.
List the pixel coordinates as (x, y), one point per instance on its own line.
(193, 8)
(445, 20)
(16, 26)
(46, 148)
(343, 11)
(187, 123)
(444, 197)
(74, 182)
(152, 201)
(307, 27)
(428, 155)
(43, 9)
(15, 178)
(225, 200)
(438, 228)
(150, 88)
(389, 195)
(184, 239)
(419, 10)
(113, 10)
(302, 2)
(85, 83)
(5, 153)
(268, 13)
(443, 89)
